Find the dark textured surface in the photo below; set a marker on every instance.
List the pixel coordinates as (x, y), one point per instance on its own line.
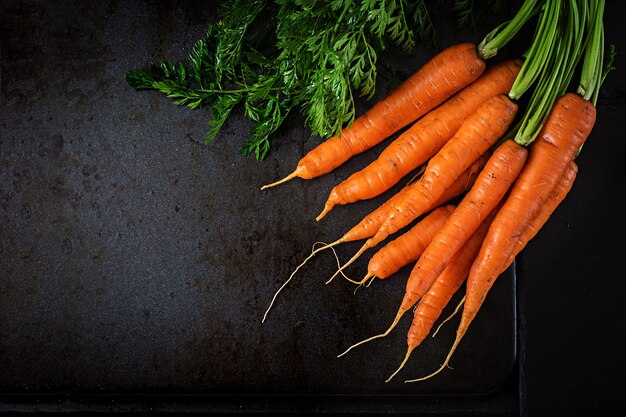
(135, 260)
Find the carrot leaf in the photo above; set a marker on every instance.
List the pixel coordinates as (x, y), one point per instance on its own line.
(271, 57)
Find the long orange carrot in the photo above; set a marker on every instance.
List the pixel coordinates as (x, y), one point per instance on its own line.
(491, 185)
(370, 223)
(442, 76)
(396, 320)
(423, 139)
(479, 204)
(479, 131)
(568, 125)
(557, 195)
(407, 247)
(430, 307)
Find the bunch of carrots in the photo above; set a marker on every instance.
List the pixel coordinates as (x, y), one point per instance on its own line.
(506, 170)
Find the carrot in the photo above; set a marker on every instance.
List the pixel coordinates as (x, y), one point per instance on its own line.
(569, 123)
(399, 315)
(368, 226)
(423, 139)
(408, 247)
(479, 131)
(371, 223)
(491, 185)
(442, 76)
(430, 307)
(476, 135)
(557, 195)
(480, 203)
(559, 192)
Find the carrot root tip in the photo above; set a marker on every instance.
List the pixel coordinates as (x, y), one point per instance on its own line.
(444, 365)
(327, 207)
(354, 258)
(314, 251)
(378, 336)
(406, 358)
(287, 178)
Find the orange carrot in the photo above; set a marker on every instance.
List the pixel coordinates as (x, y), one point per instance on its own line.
(557, 195)
(564, 132)
(371, 223)
(430, 307)
(423, 139)
(559, 192)
(445, 74)
(479, 131)
(479, 204)
(568, 125)
(491, 185)
(368, 226)
(408, 247)
(488, 221)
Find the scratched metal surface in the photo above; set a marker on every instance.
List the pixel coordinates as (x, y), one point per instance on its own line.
(136, 259)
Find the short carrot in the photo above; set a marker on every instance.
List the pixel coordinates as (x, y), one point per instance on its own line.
(407, 247)
(430, 307)
(442, 76)
(569, 123)
(479, 132)
(422, 140)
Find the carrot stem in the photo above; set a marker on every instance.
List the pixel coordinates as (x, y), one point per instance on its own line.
(594, 69)
(502, 34)
(563, 50)
(536, 62)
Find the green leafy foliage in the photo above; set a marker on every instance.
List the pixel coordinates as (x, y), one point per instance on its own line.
(274, 56)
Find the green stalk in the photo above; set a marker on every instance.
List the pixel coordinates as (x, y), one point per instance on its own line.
(541, 49)
(558, 70)
(592, 73)
(502, 34)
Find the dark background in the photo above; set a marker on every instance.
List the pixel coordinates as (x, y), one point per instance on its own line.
(136, 262)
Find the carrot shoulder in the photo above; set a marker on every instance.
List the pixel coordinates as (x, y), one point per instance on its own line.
(424, 138)
(445, 74)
